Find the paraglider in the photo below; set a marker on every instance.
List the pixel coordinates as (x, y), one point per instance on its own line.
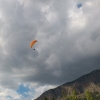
(33, 43)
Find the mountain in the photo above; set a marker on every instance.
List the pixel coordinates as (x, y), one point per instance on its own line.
(89, 82)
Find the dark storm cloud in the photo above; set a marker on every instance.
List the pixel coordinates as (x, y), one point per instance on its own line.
(27, 22)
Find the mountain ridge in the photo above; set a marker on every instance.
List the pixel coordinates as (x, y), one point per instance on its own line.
(84, 76)
(88, 81)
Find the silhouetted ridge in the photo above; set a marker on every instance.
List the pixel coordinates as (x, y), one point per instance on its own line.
(89, 81)
(91, 77)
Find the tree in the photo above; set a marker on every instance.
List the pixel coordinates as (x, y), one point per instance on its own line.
(88, 96)
(53, 98)
(45, 98)
(73, 96)
(64, 96)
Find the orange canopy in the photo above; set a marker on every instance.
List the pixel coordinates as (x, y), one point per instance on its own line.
(32, 43)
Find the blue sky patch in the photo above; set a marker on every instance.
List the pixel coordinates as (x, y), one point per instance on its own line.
(23, 90)
(9, 97)
(79, 5)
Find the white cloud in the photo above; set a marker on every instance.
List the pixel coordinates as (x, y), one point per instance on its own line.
(77, 20)
(7, 94)
(39, 90)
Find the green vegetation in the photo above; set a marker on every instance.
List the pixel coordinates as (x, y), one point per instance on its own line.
(53, 98)
(45, 98)
(87, 96)
(74, 96)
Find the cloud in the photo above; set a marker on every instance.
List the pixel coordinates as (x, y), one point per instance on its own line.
(68, 44)
(8, 94)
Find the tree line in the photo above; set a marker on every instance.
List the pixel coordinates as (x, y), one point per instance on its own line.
(74, 96)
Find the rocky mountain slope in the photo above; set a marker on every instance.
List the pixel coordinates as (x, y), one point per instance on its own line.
(89, 82)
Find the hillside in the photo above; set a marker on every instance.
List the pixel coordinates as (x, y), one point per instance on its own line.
(89, 82)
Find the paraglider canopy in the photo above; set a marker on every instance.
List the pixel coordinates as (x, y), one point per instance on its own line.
(32, 43)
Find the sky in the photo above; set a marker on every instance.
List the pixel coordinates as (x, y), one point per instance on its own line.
(79, 5)
(68, 34)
